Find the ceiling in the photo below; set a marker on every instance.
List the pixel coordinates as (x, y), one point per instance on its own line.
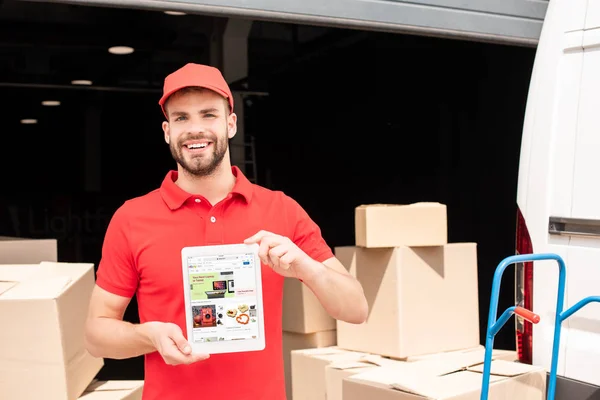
(45, 46)
(52, 44)
(44, 43)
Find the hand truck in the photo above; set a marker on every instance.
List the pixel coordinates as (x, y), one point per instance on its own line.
(494, 324)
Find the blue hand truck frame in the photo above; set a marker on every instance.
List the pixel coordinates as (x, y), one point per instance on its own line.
(495, 324)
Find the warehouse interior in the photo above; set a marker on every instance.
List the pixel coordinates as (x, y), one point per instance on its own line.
(333, 117)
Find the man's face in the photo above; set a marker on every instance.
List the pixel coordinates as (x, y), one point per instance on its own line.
(198, 130)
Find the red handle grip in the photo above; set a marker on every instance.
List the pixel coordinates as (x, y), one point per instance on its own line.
(528, 315)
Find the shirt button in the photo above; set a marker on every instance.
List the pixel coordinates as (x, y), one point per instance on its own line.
(197, 200)
(212, 219)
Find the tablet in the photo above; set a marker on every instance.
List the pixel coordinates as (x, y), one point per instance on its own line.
(222, 287)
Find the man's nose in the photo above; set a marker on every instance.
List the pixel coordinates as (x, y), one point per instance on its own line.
(197, 126)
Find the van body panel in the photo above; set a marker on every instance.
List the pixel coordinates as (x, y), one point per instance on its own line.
(558, 177)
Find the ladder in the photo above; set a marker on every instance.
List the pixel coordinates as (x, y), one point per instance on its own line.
(249, 159)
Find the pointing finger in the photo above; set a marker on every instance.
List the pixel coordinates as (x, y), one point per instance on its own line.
(260, 236)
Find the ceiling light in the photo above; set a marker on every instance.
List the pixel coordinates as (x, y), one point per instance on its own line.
(51, 103)
(29, 121)
(81, 82)
(174, 13)
(121, 50)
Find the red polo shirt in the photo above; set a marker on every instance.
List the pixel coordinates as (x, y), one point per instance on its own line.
(142, 255)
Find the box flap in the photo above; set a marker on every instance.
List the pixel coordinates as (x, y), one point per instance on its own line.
(347, 365)
(443, 387)
(46, 280)
(417, 204)
(505, 368)
(419, 376)
(18, 272)
(429, 382)
(449, 363)
(369, 360)
(321, 351)
(104, 386)
(49, 288)
(4, 286)
(380, 361)
(425, 204)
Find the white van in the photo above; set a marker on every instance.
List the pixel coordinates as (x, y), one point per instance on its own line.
(558, 195)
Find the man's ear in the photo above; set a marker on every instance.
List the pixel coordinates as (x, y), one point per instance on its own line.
(165, 128)
(231, 125)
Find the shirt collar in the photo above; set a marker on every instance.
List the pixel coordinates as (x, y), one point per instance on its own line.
(174, 196)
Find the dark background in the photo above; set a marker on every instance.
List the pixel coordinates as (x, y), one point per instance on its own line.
(351, 118)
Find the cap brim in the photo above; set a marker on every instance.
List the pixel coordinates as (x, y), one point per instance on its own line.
(166, 95)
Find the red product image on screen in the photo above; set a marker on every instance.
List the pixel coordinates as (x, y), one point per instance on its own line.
(208, 317)
(204, 316)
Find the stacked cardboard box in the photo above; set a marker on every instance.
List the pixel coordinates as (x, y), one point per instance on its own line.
(321, 374)
(44, 304)
(305, 324)
(421, 337)
(422, 291)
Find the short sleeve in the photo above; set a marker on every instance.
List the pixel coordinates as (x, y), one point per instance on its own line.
(117, 272)
(307, 234)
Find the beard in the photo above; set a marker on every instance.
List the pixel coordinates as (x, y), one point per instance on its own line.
(204, 164)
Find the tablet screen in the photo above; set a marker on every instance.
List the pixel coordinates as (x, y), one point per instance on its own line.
(223, 297)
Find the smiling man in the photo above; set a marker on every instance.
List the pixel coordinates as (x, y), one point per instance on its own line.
(206, 201)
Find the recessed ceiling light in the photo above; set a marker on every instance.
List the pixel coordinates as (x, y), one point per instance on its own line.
(51, 103)
(29, 121)
(174, 13)
(120, 50)
(81, 82)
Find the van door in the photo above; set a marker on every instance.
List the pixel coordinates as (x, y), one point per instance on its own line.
(583, 268)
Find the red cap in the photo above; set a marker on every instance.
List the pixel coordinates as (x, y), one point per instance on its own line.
(196, 75)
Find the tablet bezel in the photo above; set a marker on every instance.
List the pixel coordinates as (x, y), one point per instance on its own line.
(231, 346)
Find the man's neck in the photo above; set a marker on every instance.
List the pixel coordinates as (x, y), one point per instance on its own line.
(214, 187)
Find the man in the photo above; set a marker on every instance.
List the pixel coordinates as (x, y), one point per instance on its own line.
(206, 201)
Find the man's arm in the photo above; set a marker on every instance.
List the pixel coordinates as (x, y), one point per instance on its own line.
(339, 292)
(107, 335)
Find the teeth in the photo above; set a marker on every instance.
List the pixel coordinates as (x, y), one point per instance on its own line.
(197, 145)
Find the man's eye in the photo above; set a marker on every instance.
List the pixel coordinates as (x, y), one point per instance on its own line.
(209, 115)
(180, 118)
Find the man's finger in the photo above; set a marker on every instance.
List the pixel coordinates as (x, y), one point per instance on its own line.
(265, 247)
(198, 357)
(257, 237)
(263, 252)
(278, 251)
(286, 260)
(181, 343)
(173, 356)
(274, 259)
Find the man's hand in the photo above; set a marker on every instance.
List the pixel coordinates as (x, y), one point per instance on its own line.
(281, 254)
(169, 341)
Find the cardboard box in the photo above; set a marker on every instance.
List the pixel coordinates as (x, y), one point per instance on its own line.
(457, 378)
(336, 372)
(14, 250)
(44, 307)
(390, 225)
(308, 370)
(114, 390)
(302, 310)
(422, 300)
(296, 341)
